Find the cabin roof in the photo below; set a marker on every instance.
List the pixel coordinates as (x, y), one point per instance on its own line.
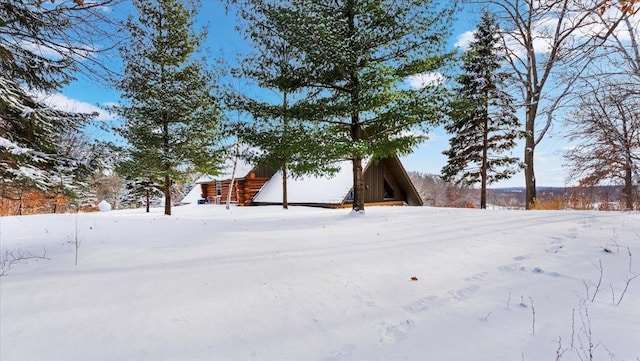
(309, 189)
(331, 190)
(242, 170)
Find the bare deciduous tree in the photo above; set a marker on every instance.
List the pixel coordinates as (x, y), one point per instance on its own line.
(619, 54)
(606, 125)
(437, 192)
(607, 131)
(546, 43)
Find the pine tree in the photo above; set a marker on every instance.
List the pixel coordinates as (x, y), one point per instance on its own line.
(43, 46)
(172, 118)
(354, 56)
(46, 44)
(32, 139)
(279, 140)
(135, 192)
(483, 122)
(279, 137)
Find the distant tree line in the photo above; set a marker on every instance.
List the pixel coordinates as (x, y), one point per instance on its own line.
(436, 192)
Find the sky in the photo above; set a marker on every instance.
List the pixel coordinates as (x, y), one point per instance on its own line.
(262, 283)
(225, 42)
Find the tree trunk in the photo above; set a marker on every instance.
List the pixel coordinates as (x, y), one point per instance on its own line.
(285, 126)
(358, 186)
(148, 199)
(20, 202)
(356, 127)
(285, 201)
(167, 195)
(358, 178)
(483, 169)
(628, 189)
(233, 177)
(55, 203)
(166, 146)
(529, 150)
(529, 176)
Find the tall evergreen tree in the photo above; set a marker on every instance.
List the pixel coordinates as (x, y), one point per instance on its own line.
(32, 137)
(280, 136)
(46, 44)
(43, 46)
(133, 193)
(355, 56)
(280, 140)
(172, 118)
(483, 124)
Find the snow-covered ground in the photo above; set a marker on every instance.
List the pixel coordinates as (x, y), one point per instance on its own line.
(261, 283)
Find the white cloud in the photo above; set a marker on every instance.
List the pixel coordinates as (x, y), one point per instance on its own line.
(545, 27)
(420, 81)
(464, 40)
(431, 137)
(61, 102)
(541, 44)
(621, 32)
(54, 51)
(541, 41)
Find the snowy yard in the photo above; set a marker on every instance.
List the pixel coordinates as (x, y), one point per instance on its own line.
(260, 283)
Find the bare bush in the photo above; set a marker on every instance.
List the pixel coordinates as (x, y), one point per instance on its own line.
(12, 257)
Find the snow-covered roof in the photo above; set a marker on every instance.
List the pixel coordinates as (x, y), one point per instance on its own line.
(194, 194)
(242, 170)
(205, 179)
(309, 189)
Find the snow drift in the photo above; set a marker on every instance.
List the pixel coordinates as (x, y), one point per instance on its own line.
(406, 283)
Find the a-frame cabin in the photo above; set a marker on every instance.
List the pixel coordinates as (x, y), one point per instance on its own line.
(386, 183)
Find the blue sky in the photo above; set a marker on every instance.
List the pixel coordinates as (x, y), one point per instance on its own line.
(224, 41)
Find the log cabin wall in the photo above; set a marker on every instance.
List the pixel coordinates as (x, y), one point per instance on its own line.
(211, 194)
(242, 194)
(248, 188)
(208, 192)
(224, 191)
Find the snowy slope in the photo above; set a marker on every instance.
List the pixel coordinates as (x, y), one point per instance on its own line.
(262, 283)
